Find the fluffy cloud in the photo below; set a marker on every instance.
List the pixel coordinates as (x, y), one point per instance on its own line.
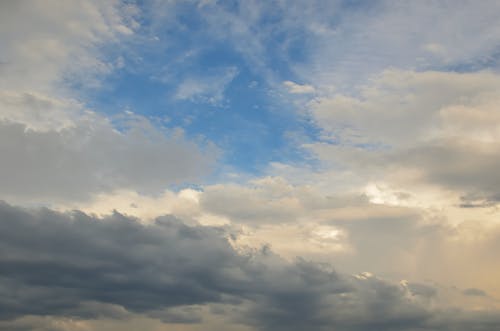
(414, 234)
(77, 266)
(410, 129)
(403, 107)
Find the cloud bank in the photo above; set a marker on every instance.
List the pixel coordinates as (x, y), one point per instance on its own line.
(80, 266)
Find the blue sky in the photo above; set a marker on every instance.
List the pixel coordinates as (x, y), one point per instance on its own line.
(239, 101)
(238, 105)
(186, 68)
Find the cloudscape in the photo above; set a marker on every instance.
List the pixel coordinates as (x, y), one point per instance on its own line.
(207, 165)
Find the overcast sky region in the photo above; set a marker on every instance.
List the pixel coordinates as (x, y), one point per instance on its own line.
(212, 165)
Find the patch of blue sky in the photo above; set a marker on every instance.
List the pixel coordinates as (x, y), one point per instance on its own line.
(249, 116)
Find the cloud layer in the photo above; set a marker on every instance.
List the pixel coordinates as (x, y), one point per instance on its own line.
(82, 267)
(249, 165)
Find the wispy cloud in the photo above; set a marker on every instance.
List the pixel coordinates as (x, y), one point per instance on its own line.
(295, 88)
(206, 88)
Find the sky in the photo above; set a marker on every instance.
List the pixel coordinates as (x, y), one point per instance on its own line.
(207, 165)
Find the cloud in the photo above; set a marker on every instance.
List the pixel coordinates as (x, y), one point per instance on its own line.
(58, 41)
(93, 157)
(342, 45)
(46, 323)
(367, 38)
(470, 168)
(295, 88)
(72, 265)
(37, 110)
(53, 148)
(81, 259)
(474, 292)
(411, 129)
(84, 266)
(355, 230)
(401, 156)
(207, 89)
(394, 234)
(417, 105)
(268, 201)
(180, 315)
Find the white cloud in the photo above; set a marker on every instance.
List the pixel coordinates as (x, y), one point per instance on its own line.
(416, 130)
(53, 149)
(362, 42)
(403, 107)
(38, 111)
(391, 236)
(209, 88)
(295, 88)
(43, 41)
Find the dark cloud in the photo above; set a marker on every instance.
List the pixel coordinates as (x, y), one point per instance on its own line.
(474, 292)
(182, 315)
(79, 266)
(53, 262)
(467, 167)
(422, 290)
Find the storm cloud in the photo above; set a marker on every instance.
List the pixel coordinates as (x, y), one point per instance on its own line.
(80, 266)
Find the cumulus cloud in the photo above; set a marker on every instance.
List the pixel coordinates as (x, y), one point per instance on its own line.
(354, 231)
(72, 265)
(404, 107)
(391, 233)
(414, 128)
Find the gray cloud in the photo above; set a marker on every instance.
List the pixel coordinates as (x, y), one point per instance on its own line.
(467, 167)
(76, 265)
(74, 259)
(443, 131)
(93, 157)
(474, 292)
